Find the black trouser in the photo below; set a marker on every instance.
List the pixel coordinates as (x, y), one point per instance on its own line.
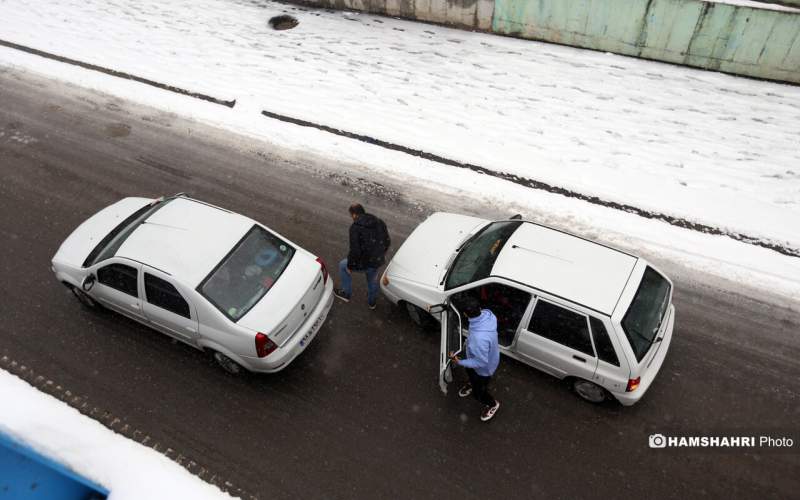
(480, 387)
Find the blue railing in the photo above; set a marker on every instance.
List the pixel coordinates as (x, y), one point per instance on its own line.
(26, 474)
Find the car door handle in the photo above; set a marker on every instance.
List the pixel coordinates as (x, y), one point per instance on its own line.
(190, 328)
(135, 306)
(582, 360)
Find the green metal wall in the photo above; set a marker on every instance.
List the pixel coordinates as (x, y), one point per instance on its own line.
(736, 39)
(788, 3)
(751, 41)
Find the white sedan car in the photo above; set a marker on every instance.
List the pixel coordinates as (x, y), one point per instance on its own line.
(206, 276)
(579, 310)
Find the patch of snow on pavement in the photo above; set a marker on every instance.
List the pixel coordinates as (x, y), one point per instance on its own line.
(130, 471)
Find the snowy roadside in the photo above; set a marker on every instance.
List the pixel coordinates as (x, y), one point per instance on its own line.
(702, 146)
(127, 469)
(647, 134)
(674, 249)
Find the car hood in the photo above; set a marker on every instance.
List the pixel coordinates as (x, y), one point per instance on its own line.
(425, 253)
(85, 237)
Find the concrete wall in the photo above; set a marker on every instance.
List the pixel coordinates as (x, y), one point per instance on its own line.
(471, 14)
(762, 43)
(735, 39)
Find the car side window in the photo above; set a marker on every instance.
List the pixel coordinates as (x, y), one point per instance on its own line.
(161, 293)
(508, 304)
(120, 277)
(605, 349)
(561, 325)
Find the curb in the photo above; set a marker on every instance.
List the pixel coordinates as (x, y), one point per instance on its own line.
(543, 186)
(118, 74)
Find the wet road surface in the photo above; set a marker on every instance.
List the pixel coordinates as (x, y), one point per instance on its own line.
(359, 414)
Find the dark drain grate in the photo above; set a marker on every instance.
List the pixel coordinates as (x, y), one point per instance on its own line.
(283, 22)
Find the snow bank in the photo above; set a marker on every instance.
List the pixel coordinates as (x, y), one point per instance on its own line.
(129, 470)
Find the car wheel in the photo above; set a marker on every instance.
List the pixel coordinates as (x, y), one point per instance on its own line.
(227, 363)
(84, 299)
(418, 316)
(589, 391)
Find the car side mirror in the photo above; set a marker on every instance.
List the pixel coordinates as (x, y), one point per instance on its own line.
(88, 282)
(437, 308)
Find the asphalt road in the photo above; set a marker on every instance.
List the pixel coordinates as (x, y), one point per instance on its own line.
(359, 414)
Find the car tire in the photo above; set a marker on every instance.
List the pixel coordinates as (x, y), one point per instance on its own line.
(589, 391)
(227, 363)
(84, 298)
(419, 316)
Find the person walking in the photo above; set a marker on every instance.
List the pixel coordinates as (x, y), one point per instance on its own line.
(369, 241)
(483, 356)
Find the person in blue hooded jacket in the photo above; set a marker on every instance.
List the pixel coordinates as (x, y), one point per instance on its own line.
(483, 356)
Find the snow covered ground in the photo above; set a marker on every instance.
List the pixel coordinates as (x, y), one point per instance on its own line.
(690, 143)
(707, 147)
(127, 469)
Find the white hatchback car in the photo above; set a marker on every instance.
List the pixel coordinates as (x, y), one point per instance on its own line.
(576, 309)
(206, 276)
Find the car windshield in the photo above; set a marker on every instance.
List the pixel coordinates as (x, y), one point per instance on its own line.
(247, 273)
(477, 256)
(109, 245)
(646, 312)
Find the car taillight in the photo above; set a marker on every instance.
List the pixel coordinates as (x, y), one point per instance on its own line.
(324, 270)
(264, 345)
(633, 383)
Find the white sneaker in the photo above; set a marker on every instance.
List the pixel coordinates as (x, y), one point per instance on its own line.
(489, 411)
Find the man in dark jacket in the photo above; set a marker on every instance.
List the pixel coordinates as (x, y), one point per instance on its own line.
(369, 241)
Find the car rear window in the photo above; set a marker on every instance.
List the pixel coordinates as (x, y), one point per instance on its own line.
(247, 273)
(646, 312)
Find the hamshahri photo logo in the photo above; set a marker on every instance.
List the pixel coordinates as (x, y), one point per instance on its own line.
(736, 441)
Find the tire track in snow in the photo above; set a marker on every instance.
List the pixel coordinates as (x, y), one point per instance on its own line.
(543, 186)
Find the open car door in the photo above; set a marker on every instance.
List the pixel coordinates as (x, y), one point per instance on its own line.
(451, 343)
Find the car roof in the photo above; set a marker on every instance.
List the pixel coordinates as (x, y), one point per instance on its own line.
(565, 265)
(185, 238)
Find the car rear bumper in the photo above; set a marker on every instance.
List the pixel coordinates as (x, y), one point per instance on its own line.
(649, 373)
(281, 357)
